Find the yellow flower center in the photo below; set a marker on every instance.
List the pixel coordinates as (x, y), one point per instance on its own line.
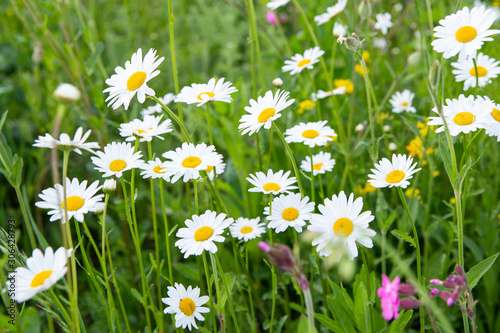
(203, 234)
(405, 104)
(246, 230)
(303, 62)
(317, 166)
(139, 131)
(342, 227)
(136, 80)
(395, 176)
(465, 34)
(481, 71)
(210, 94)
(496, 114)
(40, 278)
(464, 118)
(310, 134)
(266, 114)
(271, 187)
(159, 169)
(290, 214)
(191, 162)
(187, 306)
(209, 168)
(74, 203)
(117, 165)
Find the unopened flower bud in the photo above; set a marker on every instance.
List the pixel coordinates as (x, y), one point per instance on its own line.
(67, 92)
(460, 272)
(409, 303)
(435, 282)
(109, 186)
(365, 9)
(359, 127)
(351, 43)
(277, 82)
(393, 146)
(99, 209)
(386, 128)
(406, 289)
(434, 291)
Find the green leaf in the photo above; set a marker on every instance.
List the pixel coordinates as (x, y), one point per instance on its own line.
(402, 236)
(303, 326)
(17, 169)
(31, 321)
(445, 154)
(4, 117)
(137, 296)
(476, 273)
(340, 314)
(463, 173)
(362, 309)
(399, 324)
(329, 323)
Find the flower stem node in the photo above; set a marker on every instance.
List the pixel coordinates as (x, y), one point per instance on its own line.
(351, 43)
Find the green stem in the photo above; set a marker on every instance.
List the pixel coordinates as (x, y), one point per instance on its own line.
(370, 111)
(254, 39)
(59, 306)
(209, 287)
(173, 116)
(310, 309)
(274, 287)
(318, 104)
(167, 233)
(171, 20)
(312, 175)
(259, 157)
(211, 139)
(250, 298)
(215, 260)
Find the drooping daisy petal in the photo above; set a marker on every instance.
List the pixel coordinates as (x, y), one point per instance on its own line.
(395, 173)
(65, 142)
(289, 211)
(145, 129)
(203, 93)
(247, 229)
(116, 159)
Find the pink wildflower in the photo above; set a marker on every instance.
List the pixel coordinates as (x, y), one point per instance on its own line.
(389, 297)
(271, 18)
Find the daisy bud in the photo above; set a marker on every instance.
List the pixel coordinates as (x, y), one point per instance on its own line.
(109, 186)
(365, 9)
(386, 128)
(67, 92)
(277, 82)
(359, 128)
(393, 146)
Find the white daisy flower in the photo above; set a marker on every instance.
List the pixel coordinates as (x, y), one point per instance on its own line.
(321, 163)
(339, 30)
(188, 160)
(116, 159)
(155, 169)
(206, 92)
(133, 79)
(264, 111)
(65, 142)
(492, 126)
(310, 134)
(289, 211)
(220, 168)
(42, 272)
(275, 4)
(487, 69)
(397, 173)
(201, 233)
(145, 129)
(186, 304)
(331, 12)
(324, 94)
(79, 198)
(274, 183)
(383, 22)
(464, 32)
(247, 229)
(299, 61)
(341, 224)
(463, 115)
(401, 101)
(167, 99)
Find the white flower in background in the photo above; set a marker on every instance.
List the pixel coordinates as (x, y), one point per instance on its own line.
(464, 32)
(324, 94)
(67, 92)
(463, 115)
(383, 22)
(310, 134)
(401, 101)
(487, 69)
(380, 43)
(246, 229)
(272, 183)
(207, 92)
(79, 199)
(155, 169)
(116, 159)
(145, 129)
(289, 211)
(65, 142)
(275, 4)
(300, 62)
(321, 163)
(331, 12)
(395, 173)
(339, 30)
(167, 99)
(133, 79)
(42, 272)
(264, 111)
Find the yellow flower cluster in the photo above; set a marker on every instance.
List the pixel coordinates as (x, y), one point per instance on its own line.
(306, 105)
(415, 147)
(414, 193)
(367, 189)
(349, 86)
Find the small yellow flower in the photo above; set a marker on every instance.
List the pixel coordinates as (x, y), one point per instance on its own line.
(435, 174)
(306, 105)
(382, 116)
(334, 138)
(359, 69)
(368, 189)
(415, 148)
(453, 201)
(349, 86)
(366, 56)
(414, 193)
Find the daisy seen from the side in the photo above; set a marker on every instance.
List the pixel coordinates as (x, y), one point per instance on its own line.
(340, 225)
(42, 271)
(272, 183)
(299, 62)
(167, 99)
(201, 232)
(117, 158)
(289, 211)
(65, 142)
(492, 125)
(186, 304)
(463, 115)
(263, 111)
(246, 229)
(201, 93)
(464, 32)
(187, 161)
(465, 71)
(331, 12)
(155, 169)
(393, 174)
(401, 101)
(321, 163)
(133, 79)
(145, 129)
(311, 134)
(383, 22)
(324, 94)
(219, 168)
(79, 199)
